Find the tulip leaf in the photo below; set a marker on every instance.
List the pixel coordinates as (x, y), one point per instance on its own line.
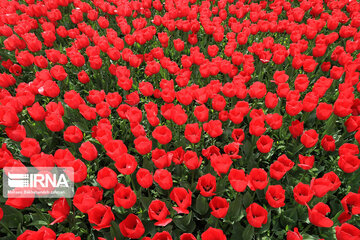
(308, 237)
(115, 231)
(38, 223)
(12, 217)
(247, 199)
(185, 223)
(248, 232)
(145, 201)
(235, 212)
(201, 205)
(289, 217)
(237, 231)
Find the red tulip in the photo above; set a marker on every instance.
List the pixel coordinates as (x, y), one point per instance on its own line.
(60, 210)
(213, 234)
(88, 151)
(351, 205)
(193, 132)
(162, 134)
(256, 215)
(191, 160)
(297, 128)
(20, 203)
(86, 197)
(306, 162)
(43, 233)
(317, 215)
(124, 197)
(219, 207)
(158, 211)
(347, 232)
(162, 236)
(302, 193)
(328, 143)
(182, 197)
(132, 227)
(187, 236)
(144, 178)
(107, 178)
(206, 185)
(323, 111)
(238, 135)
(126, 164)
(349, 163)
(238, 179)
(258, 179)
(293, 235)
(164, 178)
(101, 216)
(275, 195)
(29, 147)
(334, 180)
(160, 158)
(264, 144)
(309, 138)
(320, 186)
(73, 134)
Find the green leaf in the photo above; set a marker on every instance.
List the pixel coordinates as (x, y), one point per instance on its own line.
(115, 231)
(185, 223)
(235, 212)
(309, 237)
(145, 201)
(247, 200)
(149, 227)
(221, 186)
(91, 236)
(12, 217)
(248, 232)
(237, 231)
(289, 217)
(188, 218)
(301, 213)
(327, 233)
(201, 205)
(38, 223)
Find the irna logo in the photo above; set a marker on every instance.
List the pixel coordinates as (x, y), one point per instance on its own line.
(37, 180)
(22, 182)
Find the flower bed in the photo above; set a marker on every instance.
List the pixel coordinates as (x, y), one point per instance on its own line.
(183, 119)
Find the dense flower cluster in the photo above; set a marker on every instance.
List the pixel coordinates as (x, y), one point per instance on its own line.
(184, 119)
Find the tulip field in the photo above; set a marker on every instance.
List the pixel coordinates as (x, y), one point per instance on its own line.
(183, 119)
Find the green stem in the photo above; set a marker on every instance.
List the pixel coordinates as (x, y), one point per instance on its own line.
(115, 230)
(307, 227)
(40, 213)
(7, 229)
